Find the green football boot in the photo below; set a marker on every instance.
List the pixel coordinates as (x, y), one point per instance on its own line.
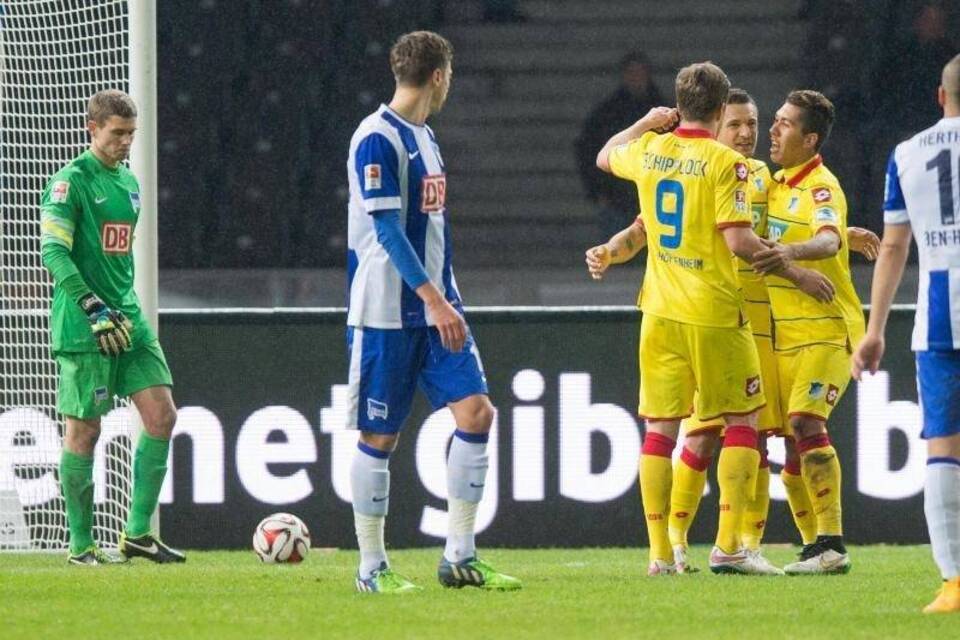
(92, 557)
(474, 572)
(385, 580)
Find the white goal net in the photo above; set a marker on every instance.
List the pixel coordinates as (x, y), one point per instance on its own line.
(54, 54)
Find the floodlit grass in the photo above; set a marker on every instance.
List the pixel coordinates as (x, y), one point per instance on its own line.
(568, 593)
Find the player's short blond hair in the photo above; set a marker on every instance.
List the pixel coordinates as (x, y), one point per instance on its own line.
(416, 55)
(817, 113)
(110, 102)
(702, 90)
(950, 79)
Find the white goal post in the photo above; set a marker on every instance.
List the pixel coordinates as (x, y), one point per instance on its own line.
(55, 54)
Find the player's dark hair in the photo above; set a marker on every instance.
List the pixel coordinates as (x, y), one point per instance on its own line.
(740, 96)
(817, 113)
(110, 102)
(416, 55)
(702, 90)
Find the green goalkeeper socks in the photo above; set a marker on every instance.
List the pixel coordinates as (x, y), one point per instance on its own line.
(149, 469)
(76, 481)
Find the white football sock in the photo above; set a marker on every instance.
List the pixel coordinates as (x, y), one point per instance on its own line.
(941, 504)
(466, 475)
(370, 481)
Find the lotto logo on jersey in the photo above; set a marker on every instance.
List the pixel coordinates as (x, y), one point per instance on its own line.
(433, 193)
(371, 177)
(116, 238)
(60, 190)
(753, 386)
(822, 195)
(741, 171)
(832, 394)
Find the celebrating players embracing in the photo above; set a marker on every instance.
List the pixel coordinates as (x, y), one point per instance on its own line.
(101, 341)
(694, 334)
(405, 322)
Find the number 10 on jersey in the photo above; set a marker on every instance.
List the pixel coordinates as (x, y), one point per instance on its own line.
(670, 211)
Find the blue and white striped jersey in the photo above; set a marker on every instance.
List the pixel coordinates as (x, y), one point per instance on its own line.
(395, 165)
(923, 189)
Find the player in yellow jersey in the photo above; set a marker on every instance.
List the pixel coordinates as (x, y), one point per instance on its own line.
(807, 216)
(694, 334)
(737, 131)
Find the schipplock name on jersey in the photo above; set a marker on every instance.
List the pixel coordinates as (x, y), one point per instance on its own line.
(116, 238)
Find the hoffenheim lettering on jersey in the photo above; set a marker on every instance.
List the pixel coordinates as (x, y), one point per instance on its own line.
(395, 165)
(923, 189)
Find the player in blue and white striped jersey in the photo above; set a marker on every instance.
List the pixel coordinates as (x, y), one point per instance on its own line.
(923, 200)
(405, 324)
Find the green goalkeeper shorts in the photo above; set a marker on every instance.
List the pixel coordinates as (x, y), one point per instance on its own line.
(89, 381)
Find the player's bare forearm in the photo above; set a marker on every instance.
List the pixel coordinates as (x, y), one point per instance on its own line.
(626, 244)
(813, 283)
(658, 117)
(894, 250)
(620, 248)
(776, 256)
(743, 242)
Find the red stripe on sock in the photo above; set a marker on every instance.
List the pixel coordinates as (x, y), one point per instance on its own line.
(764, 463)
(656, 444)
(740, 436)
(792, 467)
(818, 441)
(694, 461)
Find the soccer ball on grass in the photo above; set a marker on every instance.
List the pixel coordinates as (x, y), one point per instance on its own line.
(281, 538)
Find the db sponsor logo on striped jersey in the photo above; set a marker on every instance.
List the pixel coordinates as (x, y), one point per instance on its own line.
(116, 238)
(433, 193)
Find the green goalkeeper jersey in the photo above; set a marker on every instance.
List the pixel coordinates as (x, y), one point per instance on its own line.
(91, 210)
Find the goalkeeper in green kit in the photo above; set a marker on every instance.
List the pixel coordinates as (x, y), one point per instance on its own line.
(101, 341)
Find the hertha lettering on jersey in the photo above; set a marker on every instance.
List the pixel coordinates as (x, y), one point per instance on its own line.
(923, 190)
(395, 165)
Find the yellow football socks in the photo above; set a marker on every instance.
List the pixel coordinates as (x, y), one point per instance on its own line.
(655, 481)
(736, 475)
(689, 478)
(755, 516)
(821, 474)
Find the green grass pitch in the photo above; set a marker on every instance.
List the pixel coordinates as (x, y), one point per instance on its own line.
(569, 593)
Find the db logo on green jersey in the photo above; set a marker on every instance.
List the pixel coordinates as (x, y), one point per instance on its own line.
(116, 238)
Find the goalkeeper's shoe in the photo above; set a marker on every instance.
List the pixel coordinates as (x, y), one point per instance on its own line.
(111, 329)
(661, 568)
(826, 556)
(474, 572)
(385, 580)
(681, 562)
(948, 600)
(92, 557)
(743, 562)
(150, 547)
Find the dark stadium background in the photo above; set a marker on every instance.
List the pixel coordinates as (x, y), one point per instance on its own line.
(258, 100)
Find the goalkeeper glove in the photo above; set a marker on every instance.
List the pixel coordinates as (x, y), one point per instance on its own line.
(111, 329)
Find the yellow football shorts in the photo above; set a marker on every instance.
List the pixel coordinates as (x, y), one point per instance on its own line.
(677, 359)
(770, 417)
(812, 379)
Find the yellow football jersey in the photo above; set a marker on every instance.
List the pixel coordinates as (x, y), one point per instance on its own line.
(690, 188)
(802, 201)
(753, 286)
